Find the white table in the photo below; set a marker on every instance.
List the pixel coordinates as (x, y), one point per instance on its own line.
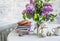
(13, 36)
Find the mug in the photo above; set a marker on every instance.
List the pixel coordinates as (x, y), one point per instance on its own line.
(57, 31)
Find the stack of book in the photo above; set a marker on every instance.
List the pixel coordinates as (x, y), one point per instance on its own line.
(23, 27)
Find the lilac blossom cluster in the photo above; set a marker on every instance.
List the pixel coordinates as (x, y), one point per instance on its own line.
(45, 10)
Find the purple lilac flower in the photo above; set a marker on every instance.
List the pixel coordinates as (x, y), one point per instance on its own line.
(30, 8)
(24, 11)
(47, 4)
(46, 9)
(31, 1)
(46, 15)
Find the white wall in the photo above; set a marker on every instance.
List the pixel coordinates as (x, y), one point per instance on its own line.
(56, 5)
(10, 10)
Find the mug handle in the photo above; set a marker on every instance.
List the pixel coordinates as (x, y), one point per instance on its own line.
(53, 30)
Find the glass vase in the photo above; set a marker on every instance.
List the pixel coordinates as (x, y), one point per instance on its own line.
(39, 28)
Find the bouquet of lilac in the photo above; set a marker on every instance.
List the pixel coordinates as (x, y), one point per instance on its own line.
(39, 10)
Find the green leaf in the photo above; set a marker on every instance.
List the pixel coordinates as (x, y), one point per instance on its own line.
(36, 17)
(47, 0)
(52, 17)
(28, 16)
(40, 4)
(24, 16)
(51, 20)
(47, 19)
(36, 1)
(40, 18)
